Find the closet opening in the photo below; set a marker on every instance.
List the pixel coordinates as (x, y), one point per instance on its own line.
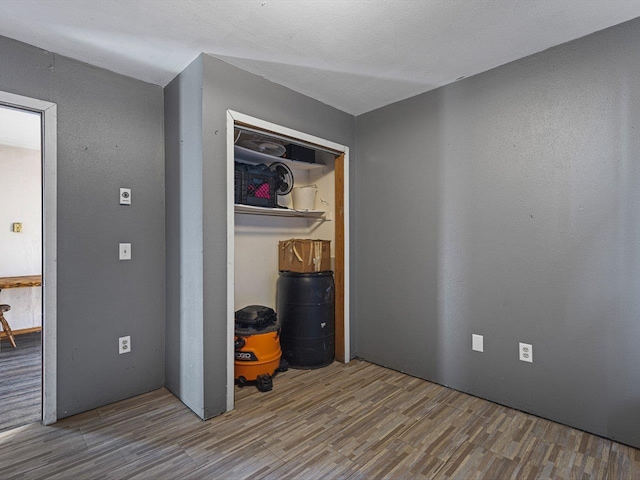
(295, 187)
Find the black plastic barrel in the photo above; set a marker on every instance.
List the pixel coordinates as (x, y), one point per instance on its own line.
(306, 310)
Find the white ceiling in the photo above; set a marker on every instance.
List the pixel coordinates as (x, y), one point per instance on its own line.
(356, 55)
(19, 128)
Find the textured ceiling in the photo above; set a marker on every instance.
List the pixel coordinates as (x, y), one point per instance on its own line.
(356, 55)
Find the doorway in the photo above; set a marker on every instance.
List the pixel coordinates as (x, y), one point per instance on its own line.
(20, 267)
(28, 258)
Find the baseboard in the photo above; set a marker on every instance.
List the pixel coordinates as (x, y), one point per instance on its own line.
(21, 331)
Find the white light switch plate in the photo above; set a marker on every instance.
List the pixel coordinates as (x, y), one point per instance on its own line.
(125, 251)
(477, 343)
(125, 196)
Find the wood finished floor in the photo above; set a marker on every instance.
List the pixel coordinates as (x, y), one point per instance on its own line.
(20, 381)
(355, 421)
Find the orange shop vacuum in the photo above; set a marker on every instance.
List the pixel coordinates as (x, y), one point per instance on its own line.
(258, 356)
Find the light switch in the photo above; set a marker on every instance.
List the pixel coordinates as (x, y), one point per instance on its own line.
(125, 196)
(125, 251)
(477, 343)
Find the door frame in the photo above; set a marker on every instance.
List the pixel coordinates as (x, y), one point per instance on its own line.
(48, 119)
(234, 117)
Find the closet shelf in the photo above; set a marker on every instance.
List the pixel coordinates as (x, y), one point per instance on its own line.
(283, 212)
(251, 156)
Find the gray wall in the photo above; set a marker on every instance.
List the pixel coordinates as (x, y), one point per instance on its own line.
(110, 135)
(512, 210)
(227, 87)
(184, 221)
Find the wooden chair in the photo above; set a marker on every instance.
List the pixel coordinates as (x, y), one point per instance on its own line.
(5, 324)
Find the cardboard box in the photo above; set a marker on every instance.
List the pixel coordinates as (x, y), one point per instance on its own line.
(304, 256)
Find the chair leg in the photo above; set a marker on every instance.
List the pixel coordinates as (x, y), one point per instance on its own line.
(7, 329)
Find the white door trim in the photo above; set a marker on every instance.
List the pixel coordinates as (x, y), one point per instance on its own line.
(232, 118)
(48, 115)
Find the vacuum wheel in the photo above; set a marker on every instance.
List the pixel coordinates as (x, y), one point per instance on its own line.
(241, 381)
(284, 365)
(264, 383)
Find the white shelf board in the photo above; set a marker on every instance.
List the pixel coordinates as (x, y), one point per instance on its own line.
(251, 156)
(282, 212)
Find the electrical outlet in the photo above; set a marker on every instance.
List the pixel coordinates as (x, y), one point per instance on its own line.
(124, 345)
(526, 352)
(477, 343)
(125, 251)
(17, 227)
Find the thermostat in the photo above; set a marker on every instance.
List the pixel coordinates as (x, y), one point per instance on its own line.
(125, 196)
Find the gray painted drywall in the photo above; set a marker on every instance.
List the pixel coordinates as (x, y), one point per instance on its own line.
(511, 209)
(228, 87)
(110, 135)
(184, 220)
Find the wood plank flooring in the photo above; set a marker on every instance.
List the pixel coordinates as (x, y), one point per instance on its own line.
(355, 421)
(20, 381)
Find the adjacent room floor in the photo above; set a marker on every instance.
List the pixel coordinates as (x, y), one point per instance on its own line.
(20, 381)
(355, 421)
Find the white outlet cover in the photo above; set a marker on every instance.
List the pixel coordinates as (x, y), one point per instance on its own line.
(125, 196)
(477, 343)
(124, 344)
(526, 352)
(125, 251)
